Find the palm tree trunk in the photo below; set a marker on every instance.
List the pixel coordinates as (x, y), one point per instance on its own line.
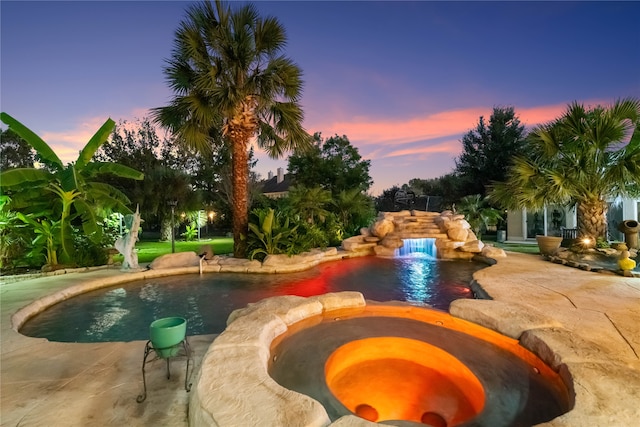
(165, 230)
(592, 219)
(240, 208)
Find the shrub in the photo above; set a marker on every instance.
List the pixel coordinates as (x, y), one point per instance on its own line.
(15, 240)
(89, 253)
(191, 232)
(602, 243)
(270, 233)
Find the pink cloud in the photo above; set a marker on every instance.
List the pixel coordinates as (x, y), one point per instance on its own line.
(139, 113)
(372, 131)
(448, 147)
(67, 144)
(537, 115)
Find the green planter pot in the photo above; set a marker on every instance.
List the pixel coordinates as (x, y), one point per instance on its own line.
(548, 245)
(166, 334)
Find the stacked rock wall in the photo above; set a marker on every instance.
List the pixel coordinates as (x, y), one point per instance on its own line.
(453, 234)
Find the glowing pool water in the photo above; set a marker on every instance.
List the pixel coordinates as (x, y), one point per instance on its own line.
(123, 312)
(395, 378)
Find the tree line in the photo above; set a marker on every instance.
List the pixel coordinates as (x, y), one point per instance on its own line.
(487, 152)
(323, 210)
(586, 157)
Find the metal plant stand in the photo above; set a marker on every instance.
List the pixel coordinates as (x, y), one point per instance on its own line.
(167, 354)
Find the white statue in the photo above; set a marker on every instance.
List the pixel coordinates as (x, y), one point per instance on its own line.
(125, 244)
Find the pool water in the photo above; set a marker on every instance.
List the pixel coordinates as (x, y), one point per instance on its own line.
(124, 312)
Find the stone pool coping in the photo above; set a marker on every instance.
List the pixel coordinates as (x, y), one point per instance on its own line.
(219, 264)
(234, 387)
(589, 322)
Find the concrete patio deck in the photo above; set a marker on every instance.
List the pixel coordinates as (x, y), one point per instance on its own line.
(588, 322)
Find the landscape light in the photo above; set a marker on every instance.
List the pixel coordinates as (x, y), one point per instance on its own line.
(173, 204)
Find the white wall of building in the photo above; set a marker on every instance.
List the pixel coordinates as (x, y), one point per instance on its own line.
(523, 225)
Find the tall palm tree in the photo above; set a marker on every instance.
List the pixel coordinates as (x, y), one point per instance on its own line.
(582, 158)
(354, 208)
(78, 193)
(310, 203)
(232, 83)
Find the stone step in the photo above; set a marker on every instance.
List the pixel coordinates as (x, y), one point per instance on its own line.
(418, 230)
(425, 214)
(410, 235)
(414, 225)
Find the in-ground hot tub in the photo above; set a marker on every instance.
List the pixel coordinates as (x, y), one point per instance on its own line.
(393, 378)
(313, 361)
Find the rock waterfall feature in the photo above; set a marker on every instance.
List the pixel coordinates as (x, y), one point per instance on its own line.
(453, 236)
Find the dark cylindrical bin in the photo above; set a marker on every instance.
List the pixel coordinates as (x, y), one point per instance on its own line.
(501, 236)
(630, 228)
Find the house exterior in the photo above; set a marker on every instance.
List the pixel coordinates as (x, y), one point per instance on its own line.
(523, 225)
(277, 186)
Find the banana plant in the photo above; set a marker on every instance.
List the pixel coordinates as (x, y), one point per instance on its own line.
(78, 192)
(46, 233)
(191, 232)
(273, 237)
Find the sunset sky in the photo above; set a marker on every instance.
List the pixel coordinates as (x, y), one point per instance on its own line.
(402, 80)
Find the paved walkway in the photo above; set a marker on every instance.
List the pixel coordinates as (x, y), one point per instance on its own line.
(584, 324)
(593, 318)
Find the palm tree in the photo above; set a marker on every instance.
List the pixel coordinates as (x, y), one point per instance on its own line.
(582, 158)
(354, 208)
(232, 84)
(310, 203)
(77, 191)
(477, 213)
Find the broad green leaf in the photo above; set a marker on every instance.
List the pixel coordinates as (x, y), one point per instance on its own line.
(90, 221)
(69, 178)
(32, 139)
(13, 177)
(122, 171)
(28, 220)
(267, 225)
(94, 143)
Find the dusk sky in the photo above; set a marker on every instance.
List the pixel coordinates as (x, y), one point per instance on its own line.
(402, 80)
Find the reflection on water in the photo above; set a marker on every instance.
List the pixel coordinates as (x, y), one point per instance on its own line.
(150, 293)
(103, 322)
(123, 313)
(413, 278)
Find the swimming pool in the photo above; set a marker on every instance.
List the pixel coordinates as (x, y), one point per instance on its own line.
(124, 312)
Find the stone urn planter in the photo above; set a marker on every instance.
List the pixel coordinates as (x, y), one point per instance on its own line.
(548, 245)
(630, 228)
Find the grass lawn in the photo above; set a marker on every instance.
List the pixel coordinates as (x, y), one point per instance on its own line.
(517, 247)
(525, 248)
(150, 250)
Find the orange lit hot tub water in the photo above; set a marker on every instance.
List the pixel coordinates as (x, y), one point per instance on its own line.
(415, 366)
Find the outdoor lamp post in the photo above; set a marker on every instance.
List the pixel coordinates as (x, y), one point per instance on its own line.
(173, 204)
